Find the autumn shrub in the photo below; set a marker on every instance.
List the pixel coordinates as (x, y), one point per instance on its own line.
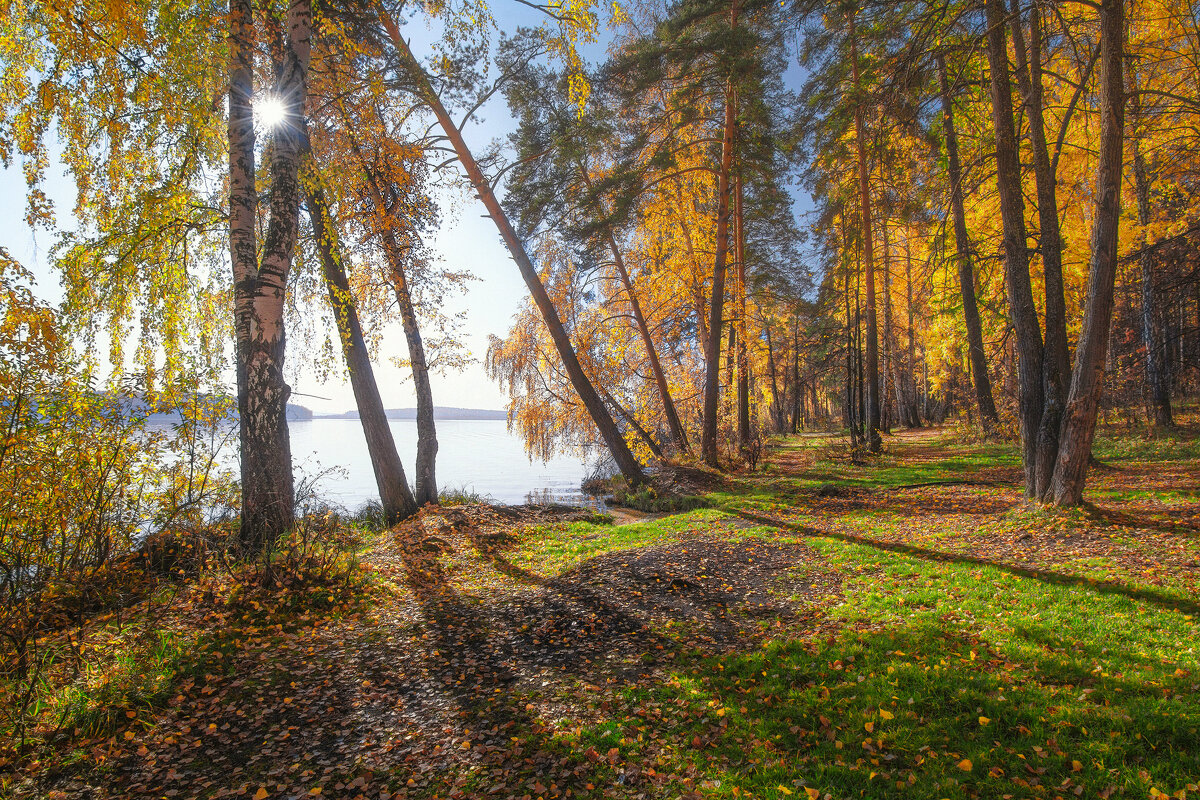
(97, 502)
(369, 517)
(462, 496)
(316, 565)
(647, 498)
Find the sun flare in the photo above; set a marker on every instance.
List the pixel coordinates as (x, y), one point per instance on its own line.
(270, 112)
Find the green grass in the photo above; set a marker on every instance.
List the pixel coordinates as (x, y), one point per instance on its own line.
(551, 549)
(943, 680)
(1042, 688)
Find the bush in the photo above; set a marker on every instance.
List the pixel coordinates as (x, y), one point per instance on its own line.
(647, 498)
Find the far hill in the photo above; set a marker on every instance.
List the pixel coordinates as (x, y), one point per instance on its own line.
(439, 412)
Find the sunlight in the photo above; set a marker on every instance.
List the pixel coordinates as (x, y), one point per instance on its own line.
(269, 112)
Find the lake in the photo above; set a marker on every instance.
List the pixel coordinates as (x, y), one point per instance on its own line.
(478, 455)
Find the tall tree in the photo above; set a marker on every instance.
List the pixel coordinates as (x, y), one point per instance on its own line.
(1157, 380)
(1087, 379)
(1056, 360)
(962, 244)
(1022, 309)
(268, 495)
(873, 412)
(394, 494)
(591, 399)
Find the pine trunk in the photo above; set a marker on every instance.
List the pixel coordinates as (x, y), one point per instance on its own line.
(874, 443)
(743, 357)
(712, 355)
(1021, 307)
(966, 269)
(1087, 380)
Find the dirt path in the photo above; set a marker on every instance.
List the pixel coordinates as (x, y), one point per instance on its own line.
(446, 689)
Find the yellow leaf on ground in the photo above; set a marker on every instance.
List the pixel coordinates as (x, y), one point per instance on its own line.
(870, 726)
(965, 765)
(812, 793)
(886, 714)
(261, 794)
(1076, 766)
(984, 720)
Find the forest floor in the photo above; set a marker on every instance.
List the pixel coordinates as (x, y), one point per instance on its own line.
(902, 628)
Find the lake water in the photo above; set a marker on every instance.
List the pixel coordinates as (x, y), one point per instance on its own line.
(478, 455)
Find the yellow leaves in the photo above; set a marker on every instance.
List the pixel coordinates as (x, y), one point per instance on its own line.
(261, 794)
(812, 793)
(965, 765)
(1076, 766)
(870, 727)
(985, 721)
(885, 714)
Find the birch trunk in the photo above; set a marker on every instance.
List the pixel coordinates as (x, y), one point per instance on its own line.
(268, 493)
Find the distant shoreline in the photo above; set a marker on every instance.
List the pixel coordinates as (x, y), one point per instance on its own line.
(439, 412)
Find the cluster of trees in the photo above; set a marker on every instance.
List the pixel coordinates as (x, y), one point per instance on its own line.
(1005, 221)
(1005, 213)
(1034, 158)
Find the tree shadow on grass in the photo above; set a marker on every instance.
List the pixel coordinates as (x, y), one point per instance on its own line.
(909, 702)
(504, 669)
(1113, 516)
(1160, 599)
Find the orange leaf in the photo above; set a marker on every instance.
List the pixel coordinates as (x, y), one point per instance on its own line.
(965, 765)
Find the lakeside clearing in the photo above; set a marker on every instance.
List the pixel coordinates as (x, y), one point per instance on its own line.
(901, 628)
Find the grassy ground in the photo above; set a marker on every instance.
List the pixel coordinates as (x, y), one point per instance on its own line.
(905, 628)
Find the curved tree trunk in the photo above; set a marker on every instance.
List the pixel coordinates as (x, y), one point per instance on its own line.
(596, 409)
(1087, 381)
(394, 494)
(678, 435)
(425, 466)
(966, 271)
